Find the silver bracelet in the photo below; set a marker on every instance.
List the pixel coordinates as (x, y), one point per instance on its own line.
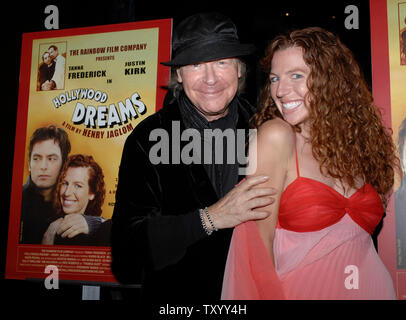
(208, 232)
(210, 221)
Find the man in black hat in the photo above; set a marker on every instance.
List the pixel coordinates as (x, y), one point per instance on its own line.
(172, 221)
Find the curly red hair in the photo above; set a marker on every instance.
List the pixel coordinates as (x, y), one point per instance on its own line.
(346, 130)
(96, 183)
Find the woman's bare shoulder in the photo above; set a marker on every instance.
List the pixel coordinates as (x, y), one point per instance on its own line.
(276, 131)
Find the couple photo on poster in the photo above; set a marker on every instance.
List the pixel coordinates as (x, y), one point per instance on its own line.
(63, 196)
(51, 69)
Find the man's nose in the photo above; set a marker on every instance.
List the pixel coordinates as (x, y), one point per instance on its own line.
(210, 76)
(44, 164)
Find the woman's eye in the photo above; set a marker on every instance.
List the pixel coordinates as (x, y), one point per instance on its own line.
(273, 79)
(297, 76)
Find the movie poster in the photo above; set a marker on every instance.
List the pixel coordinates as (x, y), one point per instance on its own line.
(93, 85)
(388, 39)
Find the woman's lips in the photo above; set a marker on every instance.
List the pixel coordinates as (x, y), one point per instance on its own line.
(289, 107)
(67, 203)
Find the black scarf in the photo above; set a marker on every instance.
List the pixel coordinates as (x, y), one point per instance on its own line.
(222, 175)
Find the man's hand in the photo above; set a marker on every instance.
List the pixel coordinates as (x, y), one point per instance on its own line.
(49, 235)
(238, 205)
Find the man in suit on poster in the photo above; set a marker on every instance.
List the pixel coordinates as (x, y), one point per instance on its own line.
(47, 152)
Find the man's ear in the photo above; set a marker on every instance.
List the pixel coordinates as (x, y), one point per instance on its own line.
(179, 74)
(239, 69)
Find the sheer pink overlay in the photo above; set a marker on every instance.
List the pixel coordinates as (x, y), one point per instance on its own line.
(322, 248)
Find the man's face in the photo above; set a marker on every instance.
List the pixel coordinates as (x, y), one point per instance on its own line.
(211, 86)
(53, 53)
(45, 164)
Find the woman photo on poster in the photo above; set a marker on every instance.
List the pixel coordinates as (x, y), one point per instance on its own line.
(80, 194)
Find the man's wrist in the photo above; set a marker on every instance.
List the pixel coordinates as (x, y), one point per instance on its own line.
(207, 221)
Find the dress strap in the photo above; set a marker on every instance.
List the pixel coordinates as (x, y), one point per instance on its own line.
(297, 162)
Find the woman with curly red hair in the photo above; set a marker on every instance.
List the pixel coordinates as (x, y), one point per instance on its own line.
(79, 197)
(321, 141)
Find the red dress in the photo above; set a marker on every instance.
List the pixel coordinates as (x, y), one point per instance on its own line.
(322, 247)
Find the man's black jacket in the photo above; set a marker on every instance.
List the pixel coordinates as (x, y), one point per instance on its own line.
(157, 235)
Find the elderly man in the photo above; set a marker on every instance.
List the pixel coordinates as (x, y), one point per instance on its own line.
(172, 223)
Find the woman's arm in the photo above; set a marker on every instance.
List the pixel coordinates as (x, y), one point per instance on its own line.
(270, 155)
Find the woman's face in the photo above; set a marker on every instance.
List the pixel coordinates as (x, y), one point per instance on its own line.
(288, 78)
(47, 58)
(74, 193)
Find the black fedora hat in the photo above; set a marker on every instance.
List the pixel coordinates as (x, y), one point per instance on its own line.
(205, 37)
